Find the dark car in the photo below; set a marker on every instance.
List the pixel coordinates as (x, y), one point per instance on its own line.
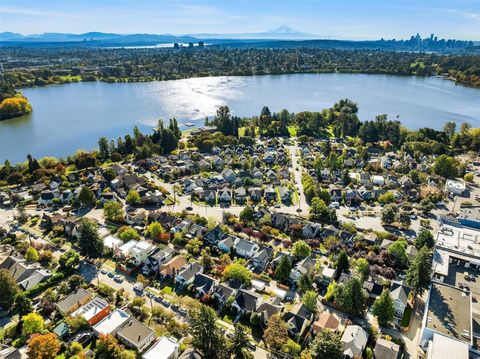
(174, 307)
(182, 312)
(189, 208)
(165, 303)
(82, 337)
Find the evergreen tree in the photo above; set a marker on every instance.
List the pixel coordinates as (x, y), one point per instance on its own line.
(86, 197)
(282, 272)
(420, 271)
(206, 336)
(343, 264)
(383, 308)
(22, 305)
(104, 148)
(352, 298)
(424, 238)
(238, 349)
(90, 243)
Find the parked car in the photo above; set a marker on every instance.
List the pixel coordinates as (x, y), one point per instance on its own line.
(182, 312)
(110, 274)
(118, 279)
(82, 337)
(165, 303)
(103, 271)
(138, 287)
(158, 299)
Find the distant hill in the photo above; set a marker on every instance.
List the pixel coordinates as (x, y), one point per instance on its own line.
(95, 36)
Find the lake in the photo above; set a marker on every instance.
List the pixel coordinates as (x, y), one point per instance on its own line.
(68, 117)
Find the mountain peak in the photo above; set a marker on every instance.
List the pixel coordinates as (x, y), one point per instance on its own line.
(285, 30)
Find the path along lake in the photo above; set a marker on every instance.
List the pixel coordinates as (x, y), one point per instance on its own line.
(73, 116)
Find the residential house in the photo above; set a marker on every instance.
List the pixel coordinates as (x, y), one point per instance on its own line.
(111, 323)
(203, 284)
(386, 349)
(354, 341)
(136, 335)
(246, 302)
(229, 175)
(27, 275)
(240, 195)
(73, 301)
(94, 311)
(136, 251)
(155, 260)
(172, 267)
(187, 274)
(225, 195)
(301, 268)
(245, 248)
(213, 236)
(267, 309)
(164, 348)
(262, 257)
(399, 293)
(222, 293)
(298, 319)
(326, 321)
(227, 243)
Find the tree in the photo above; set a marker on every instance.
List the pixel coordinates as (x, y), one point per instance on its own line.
(14, 107)
(309, 298)
(90, 243)
(237, 271)
(398, 251)
(362, 267)
(155, 230)
(108, 348)
(86, 197)
(8, 288)
(247, 214)
(386, 198)
(305, 282)
(133, 197)
(343, 264)
(301, 249)
(22, 305)
(389, 213)
(276, 333)
(32, 323)
(238, 349)
(383, 308)
(127, 233)
(468, 177)
(449, 129)
(446, 166)
(403, 217)
(104, 148)
(206, 336)
(326, 345)
(420, 271)
(424, 238)
(43, 346)
(206, 259)
(31, 254)
(69, 261)
(352, 298)
(282, 272)
(113, 211)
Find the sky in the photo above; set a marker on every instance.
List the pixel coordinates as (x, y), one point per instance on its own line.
(345, 19)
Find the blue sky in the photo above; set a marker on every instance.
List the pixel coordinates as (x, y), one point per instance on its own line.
(352, 19)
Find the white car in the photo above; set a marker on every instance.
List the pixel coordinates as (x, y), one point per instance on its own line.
(334, 205)
(138, 287)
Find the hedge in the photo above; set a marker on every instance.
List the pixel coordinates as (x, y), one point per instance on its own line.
(40, 287)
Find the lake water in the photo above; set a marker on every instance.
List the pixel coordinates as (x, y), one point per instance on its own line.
(68, 117)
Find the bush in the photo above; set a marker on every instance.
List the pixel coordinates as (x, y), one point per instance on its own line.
(50, 282)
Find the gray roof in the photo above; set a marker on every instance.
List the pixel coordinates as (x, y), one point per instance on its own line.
(75, 297)
(135, 332)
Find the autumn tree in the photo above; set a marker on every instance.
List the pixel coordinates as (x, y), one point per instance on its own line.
(301, 249)
(133, 197)
(32, 323)
(31, 254)
(43, 346)
(276, 333)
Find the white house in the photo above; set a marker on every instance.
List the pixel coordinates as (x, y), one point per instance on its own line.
(455, 187)
(378, 180)
(354, 340)
(165, 348)
(245, 248)
(111, 323)
(138, 250)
